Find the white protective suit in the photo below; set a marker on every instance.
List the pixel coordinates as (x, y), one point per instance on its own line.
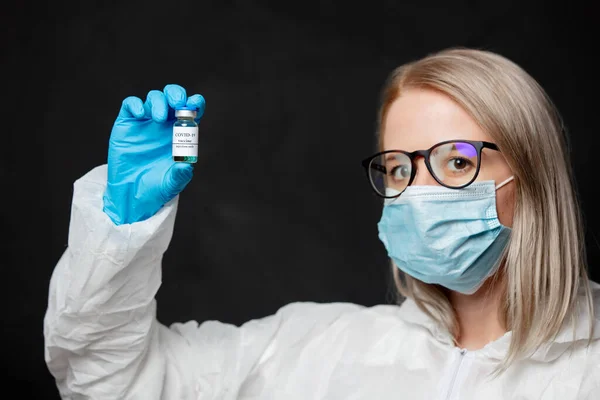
(102, 339)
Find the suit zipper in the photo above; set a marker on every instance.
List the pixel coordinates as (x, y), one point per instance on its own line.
(456, 370)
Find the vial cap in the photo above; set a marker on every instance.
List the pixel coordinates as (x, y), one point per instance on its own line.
(186, 111)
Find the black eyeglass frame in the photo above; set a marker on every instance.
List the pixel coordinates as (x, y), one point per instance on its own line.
(478, 145)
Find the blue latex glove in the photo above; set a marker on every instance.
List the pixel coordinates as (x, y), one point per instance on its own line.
(142, 175)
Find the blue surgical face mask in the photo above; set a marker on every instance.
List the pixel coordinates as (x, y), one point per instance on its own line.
(449, 237)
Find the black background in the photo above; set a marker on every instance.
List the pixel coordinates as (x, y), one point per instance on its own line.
(279, 209)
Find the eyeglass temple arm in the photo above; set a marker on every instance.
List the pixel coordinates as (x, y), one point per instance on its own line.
(378, 167)
(489, 145)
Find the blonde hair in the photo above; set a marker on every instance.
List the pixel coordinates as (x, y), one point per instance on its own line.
(544, 264)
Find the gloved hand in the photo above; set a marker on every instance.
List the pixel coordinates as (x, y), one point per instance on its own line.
(142, 175)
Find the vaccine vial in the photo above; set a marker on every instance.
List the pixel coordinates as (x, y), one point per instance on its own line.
(185, 135)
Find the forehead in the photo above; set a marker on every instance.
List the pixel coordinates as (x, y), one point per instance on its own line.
(420, 118)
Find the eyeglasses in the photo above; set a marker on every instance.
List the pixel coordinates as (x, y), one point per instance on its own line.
(453, 164)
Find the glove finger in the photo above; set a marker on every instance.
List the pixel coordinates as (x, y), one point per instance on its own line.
(197, 101)
(176, 179)
(176, 95)
(155, 106)
(132, 107)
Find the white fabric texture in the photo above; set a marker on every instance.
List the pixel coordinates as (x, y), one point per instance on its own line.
(102, 339)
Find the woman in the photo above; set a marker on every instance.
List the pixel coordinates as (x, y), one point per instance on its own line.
(480, 222)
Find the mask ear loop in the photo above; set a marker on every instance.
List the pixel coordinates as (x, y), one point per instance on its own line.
(505, 182)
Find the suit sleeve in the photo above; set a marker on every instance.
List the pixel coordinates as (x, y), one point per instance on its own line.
(102, 338)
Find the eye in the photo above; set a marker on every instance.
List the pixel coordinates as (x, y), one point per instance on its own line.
(400, 172)
(458, 164)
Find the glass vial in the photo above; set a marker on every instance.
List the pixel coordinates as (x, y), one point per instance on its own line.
(185, 135)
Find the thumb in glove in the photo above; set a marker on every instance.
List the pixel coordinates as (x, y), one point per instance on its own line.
(175, 180)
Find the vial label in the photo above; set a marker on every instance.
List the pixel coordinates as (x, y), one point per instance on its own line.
(185, 141)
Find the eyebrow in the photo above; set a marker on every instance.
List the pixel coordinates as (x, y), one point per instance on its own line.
(390, 156)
